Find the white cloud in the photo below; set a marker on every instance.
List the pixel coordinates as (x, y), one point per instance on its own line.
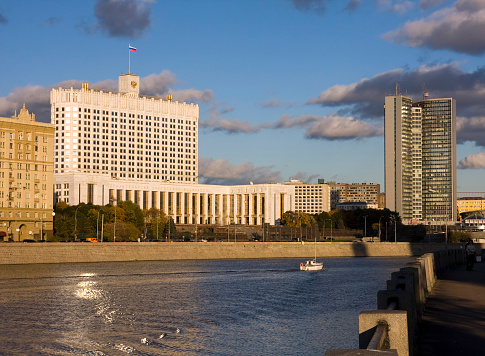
(459, 28)
(37, 98)
(331, 127)
(474, 161)
(222, 172)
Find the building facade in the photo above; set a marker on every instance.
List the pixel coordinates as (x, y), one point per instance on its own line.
(420, 158)
(123, 146)
(355, 192)
(252, 204)
(310, 198)
(26, 177)
(468, 204)
(124, 134)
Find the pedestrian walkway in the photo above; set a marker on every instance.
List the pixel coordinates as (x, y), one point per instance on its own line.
(454, 319)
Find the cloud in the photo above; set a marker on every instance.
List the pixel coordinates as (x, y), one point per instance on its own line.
(427, 4)
(235, 126)
(364, 99)
(161, 84)
(222, 172)
(474, 161)
(304, 177)
(459, 28)
(332, 127)
(37, 98)
(318, 6)
(352, 5)
(52, 21)
(471, 129)
(398, 6)
(121, 18)
(3, 19)
(275, 103)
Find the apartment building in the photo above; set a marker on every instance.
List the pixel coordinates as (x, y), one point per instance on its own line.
(355, 192)
(26, 177)
(310, 198)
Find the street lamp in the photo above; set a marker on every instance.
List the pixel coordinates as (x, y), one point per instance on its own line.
(365, 225)
(97, 226)
(169, 223)
(380, 228)
(75, 223)
(102, 226)
(331, 235)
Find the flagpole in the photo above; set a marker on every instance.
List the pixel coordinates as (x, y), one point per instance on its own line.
(129, 57)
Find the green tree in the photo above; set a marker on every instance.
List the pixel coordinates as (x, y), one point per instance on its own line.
(132, 213)
(296, 219)
(155, 221)
(170, 229)
(125, 231)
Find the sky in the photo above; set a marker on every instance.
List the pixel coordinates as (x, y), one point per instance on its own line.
(287, 89)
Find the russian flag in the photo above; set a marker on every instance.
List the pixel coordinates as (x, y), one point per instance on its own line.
(131, 48)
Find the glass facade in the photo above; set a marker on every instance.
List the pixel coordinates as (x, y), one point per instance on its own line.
(421, 161)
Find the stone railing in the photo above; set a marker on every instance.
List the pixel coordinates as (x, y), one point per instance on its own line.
(393, 328)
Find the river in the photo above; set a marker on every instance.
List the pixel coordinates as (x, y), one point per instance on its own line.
(215, 307)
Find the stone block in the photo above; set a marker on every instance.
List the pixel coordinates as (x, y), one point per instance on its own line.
(397, 328)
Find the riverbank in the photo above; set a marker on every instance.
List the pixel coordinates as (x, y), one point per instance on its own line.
(57, 252)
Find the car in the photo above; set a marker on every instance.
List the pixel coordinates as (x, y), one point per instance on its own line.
(28, 240)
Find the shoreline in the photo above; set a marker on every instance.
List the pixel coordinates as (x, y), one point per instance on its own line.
(74, 252)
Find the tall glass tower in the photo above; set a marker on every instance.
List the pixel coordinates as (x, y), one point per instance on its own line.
(420, 158)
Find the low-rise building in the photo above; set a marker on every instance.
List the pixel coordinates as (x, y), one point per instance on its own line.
(311, 198)
(355, 192)
(466, 204)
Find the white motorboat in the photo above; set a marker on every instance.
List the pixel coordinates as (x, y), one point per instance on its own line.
(311, 265)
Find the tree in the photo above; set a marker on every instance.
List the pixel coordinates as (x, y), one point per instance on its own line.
(170, 229)
(125, 231)
(132, 213)
(155, 221)
(296, 219)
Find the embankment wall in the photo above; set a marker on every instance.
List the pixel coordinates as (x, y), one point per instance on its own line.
(27, 253)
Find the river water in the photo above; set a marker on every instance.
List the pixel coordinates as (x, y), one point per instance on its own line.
(218, 307)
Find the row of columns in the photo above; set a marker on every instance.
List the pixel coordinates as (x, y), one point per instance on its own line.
(199, 208)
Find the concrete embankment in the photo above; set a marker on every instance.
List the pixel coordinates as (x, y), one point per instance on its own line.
(27, 253)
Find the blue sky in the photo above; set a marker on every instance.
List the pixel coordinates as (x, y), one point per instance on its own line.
(286, 88)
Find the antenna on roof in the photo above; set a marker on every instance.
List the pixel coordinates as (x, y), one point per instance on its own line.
(397, 89)
(425, 92)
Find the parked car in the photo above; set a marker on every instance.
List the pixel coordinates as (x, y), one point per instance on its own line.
(28, 240)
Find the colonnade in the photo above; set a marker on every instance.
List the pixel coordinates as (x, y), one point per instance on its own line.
(199, 207)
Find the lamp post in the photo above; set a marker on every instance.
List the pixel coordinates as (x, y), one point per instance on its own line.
(53, 221)
(380, 228)
(114, 226)
(331, 235)
(365, 225)
(97, 227)
(41, 229)
(169, 221)
(102, 226)
(75, 223)
(158, 222)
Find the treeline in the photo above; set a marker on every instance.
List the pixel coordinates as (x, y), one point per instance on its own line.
(360, 219)
(125, 222)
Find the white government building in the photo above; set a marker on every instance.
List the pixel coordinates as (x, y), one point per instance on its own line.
(116, 146)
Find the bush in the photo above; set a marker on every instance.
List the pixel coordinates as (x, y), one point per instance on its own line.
(458, 236)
